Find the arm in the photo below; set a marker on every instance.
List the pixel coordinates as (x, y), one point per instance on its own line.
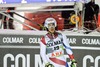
(69, 51)
(43, 50)
(43, 53)
(68, 48)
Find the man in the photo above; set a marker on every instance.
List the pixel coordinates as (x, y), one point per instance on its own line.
(52, 46)
(91, 14)
(91, 10)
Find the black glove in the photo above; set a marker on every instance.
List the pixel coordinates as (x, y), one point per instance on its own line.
(73, 63)
(49, 65)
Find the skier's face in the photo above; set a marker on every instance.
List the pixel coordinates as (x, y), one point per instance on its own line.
(51, 27)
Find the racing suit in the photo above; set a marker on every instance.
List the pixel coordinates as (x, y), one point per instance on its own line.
(52, 49)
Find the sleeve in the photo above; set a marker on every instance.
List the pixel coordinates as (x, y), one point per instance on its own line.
(67, 47)
(43, 51)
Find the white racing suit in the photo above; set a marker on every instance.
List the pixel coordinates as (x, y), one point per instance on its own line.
(52, 49)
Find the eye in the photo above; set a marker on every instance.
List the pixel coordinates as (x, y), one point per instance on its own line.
(53, 24)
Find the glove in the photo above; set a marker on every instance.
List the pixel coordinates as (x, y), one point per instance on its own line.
(49, 65)
(74, 63)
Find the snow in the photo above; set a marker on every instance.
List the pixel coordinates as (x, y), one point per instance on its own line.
(32, 32)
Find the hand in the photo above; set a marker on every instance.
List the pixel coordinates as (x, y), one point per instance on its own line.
(74, 63)
(49, 65)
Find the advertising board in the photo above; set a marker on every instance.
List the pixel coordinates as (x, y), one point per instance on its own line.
(24, 50)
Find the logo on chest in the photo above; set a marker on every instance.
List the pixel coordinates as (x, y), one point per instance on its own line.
(52, 43)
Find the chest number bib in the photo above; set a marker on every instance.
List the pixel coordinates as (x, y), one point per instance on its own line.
(56, 48)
